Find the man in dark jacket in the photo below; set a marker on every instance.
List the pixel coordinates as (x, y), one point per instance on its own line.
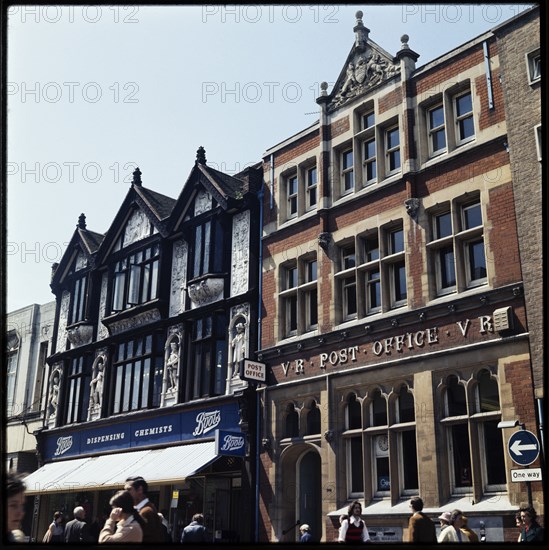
(195, 531)
(421, 528)
(77, 529)
(152, 530)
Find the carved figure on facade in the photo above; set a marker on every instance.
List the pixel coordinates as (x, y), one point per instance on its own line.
(366, 69)
(238, 344)
(53, 398)
(202, 203)
(96, 384)
(172, 365)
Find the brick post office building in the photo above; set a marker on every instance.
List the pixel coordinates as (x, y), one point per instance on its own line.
(394, 321)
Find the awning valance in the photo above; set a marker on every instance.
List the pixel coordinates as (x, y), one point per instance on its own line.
(167, 465)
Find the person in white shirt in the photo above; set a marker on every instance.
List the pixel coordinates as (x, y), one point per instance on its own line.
(354, 530)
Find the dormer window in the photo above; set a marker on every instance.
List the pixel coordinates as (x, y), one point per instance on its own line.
(136, 278)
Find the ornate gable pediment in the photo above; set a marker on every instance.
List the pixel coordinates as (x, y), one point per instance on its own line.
(367, 66)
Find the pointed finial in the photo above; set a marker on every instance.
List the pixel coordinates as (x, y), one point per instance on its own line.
(361, 32)
(136, 177)
(200, 155)
(81, 221)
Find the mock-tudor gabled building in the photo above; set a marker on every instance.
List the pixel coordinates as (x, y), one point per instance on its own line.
(394, 321)
(153, 320)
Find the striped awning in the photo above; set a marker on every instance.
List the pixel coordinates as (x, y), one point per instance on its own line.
(157, 466)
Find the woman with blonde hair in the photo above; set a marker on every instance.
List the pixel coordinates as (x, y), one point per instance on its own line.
(124, 524)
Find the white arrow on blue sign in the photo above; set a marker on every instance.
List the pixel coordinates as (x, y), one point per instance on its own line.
(523, 447)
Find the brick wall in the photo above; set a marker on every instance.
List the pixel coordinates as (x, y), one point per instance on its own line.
(523, 112)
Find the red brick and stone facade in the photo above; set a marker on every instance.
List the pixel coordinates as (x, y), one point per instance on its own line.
(394, 314)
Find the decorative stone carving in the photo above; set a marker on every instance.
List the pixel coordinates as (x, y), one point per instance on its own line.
(206, 291)
(102, 331)
(62, 326)
(240, 259)
(324, 240)
(329, 435)
(238, 338)
(138, 227)
(53, 395)
(81, 261)
(96, 386)
(179, 278)
(366, 69)
(412, 207)
(202, 202)
(134, 322)
(80, 335)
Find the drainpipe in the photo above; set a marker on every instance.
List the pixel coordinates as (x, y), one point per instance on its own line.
(540, 426)
(259, 309)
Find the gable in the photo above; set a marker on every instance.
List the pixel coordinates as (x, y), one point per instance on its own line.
(137, 227)
(367, 66)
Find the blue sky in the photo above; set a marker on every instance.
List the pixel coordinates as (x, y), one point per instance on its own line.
(94, 91)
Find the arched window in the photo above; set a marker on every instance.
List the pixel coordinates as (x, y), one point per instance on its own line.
(456, 403)
(313, 420)
(488, 394)
(292, 422)
(406, 411)
(379, 409)
(353, 419)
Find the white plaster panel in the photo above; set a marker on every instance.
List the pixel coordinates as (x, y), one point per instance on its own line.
(137, 228)
(102, 331)
(202, 202)
(240, 256)
(179, 278)
(62, 326)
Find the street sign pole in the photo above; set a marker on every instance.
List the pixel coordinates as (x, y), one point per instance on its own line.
(523, 447)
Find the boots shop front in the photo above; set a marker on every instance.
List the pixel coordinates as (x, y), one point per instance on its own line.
(178, 455)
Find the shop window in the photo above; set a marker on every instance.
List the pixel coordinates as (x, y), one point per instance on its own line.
(313, 420)
(299, 297)
(291, 424)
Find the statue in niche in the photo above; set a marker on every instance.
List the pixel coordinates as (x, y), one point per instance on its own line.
(172, 366)
(238, 344)
(96, 384)
(54, 394)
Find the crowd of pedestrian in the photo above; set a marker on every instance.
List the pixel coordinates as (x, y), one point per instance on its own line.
(134, 518)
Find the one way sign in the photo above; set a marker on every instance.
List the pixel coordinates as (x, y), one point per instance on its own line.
(523, 447)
